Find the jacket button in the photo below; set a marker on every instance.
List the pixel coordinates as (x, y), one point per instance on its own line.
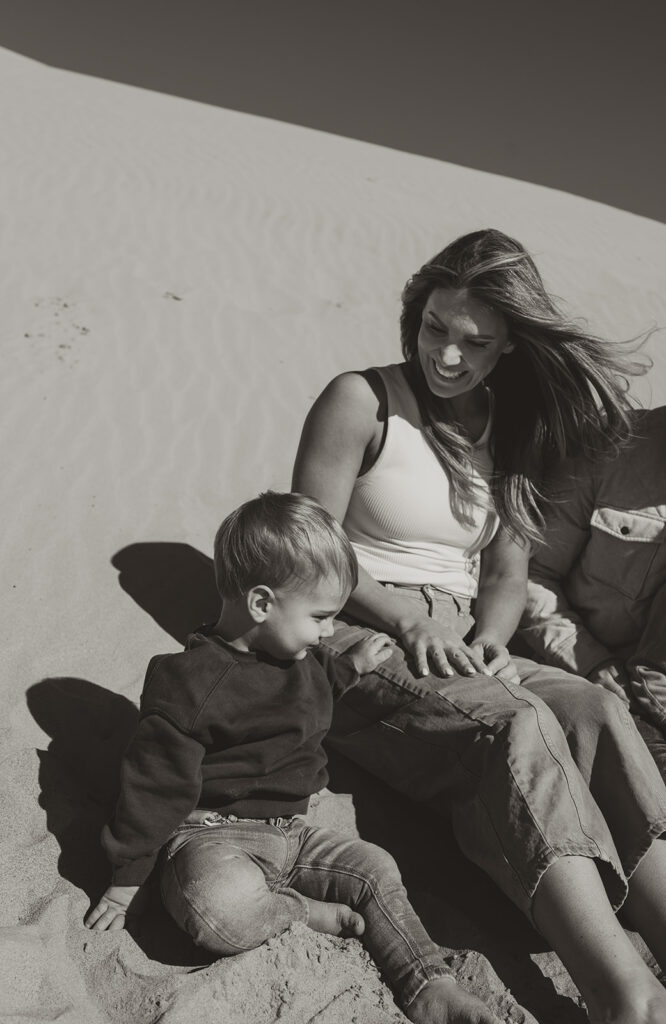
(624, 530)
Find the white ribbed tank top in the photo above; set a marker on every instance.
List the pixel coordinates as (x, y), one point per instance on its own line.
(399, 518)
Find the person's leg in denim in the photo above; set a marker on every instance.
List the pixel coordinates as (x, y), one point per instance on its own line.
(221, 883)
(231, 885)
(494, 757)
(338, 869)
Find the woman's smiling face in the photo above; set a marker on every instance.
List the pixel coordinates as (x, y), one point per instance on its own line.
(459, 342)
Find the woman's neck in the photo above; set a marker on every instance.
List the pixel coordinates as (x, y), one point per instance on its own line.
(469, 411)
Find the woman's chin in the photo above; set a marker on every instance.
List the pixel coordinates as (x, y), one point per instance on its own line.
(450, 388)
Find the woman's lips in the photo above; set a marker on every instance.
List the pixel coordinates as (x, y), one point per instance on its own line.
(448, 375)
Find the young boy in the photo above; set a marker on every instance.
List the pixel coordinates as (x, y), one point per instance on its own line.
(229, 749)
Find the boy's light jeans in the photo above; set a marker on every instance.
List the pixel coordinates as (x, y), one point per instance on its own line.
(231, 883)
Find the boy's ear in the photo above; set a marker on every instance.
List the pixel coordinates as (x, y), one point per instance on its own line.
(259, 602)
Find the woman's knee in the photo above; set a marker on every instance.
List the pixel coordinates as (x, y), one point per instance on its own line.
(590, 710)
(530, 730)
(577, 716)
(595, 727)
(575, 701)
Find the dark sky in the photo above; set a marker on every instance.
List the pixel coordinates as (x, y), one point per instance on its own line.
(565, 93)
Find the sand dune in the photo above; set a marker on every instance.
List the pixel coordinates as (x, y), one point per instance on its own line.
(178, 283)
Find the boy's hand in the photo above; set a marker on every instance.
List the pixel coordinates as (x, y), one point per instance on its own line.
(370, 652)
(109, 914)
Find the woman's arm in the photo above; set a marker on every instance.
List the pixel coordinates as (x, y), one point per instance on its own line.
(341, 438)
(501, 597)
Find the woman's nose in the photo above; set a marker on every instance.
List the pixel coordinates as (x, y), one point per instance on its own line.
(450, 354)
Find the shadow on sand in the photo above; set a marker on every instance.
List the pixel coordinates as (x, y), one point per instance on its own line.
(79, 778)
(173, 583)
(79, 772)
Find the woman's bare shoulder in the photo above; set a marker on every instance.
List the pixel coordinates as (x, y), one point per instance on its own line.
(351, 386)
(358, 394)
(344, 427)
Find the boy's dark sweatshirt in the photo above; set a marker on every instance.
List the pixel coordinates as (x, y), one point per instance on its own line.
(232, 731)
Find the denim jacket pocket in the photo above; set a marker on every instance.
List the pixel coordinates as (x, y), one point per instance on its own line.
(623, 545)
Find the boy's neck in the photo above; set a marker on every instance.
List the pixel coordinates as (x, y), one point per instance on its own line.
(235, 626)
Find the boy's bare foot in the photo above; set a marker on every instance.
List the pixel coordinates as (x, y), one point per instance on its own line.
(444, 1002)
(334, 919)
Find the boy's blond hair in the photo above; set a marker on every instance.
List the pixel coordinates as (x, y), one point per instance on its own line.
(281, 540)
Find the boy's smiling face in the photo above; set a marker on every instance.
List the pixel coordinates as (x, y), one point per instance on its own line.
(297, 619)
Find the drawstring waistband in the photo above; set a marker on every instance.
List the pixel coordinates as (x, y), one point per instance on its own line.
(203, 816)
(431, 592)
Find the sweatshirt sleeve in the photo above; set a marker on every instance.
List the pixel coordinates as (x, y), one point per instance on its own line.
(160, 785)
(339, 669)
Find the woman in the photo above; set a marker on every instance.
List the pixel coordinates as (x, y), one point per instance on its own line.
(433, 466)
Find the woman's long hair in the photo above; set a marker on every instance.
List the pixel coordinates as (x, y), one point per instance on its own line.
(560, 392)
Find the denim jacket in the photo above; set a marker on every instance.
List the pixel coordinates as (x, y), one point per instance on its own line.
(597, 589)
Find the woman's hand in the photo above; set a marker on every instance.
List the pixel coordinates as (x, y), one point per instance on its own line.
(435, 649)
(115, 904)
(497, 659)
(370, 652)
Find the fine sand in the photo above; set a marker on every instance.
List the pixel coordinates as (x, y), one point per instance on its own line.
(178, 284)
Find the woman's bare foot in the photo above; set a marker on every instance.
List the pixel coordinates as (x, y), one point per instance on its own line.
(645, 1007)
(444, 1002)
(334, 919)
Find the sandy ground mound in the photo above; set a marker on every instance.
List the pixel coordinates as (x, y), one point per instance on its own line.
(179, 282)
